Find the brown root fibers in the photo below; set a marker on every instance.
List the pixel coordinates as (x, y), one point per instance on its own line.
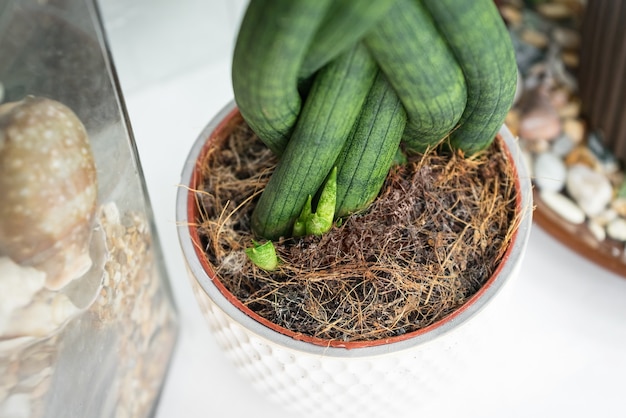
(435, 234)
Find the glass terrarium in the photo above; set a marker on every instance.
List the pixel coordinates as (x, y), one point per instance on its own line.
(87, 319)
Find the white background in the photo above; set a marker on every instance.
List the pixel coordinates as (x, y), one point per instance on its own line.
(567, 337)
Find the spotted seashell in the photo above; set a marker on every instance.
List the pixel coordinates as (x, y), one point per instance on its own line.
(48, 189)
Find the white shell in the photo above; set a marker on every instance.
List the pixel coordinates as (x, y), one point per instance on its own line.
(27, 309)
(18, 284)
(42, 317)
(17, 287)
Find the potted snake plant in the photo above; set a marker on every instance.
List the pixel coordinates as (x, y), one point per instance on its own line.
(348, 216)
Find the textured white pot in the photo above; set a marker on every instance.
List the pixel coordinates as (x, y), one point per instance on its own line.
(391, 378)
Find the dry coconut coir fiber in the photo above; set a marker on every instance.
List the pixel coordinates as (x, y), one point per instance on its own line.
(434, 235)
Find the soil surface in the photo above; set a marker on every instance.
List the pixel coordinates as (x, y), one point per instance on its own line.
(433, 237)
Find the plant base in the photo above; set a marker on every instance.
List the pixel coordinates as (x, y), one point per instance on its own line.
(434, 236)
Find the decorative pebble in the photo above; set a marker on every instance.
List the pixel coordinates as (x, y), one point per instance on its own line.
(616, 229)
(606, 158)
(554, 10)
(570, 110)
(538, 146)
(619, 206)
(591, 190)
(563, 206)
(559, 97)
(570, 59)
(575, 128)
(534, 38)
(581, 155)
(550, 172)
(539, 120)
(597, 230)
(533, 19)
(511, 14)
(566, 38)
(1, 92)
(560, 73)
(563, 145)
(604, 217)
(616, 178)
(594, 143)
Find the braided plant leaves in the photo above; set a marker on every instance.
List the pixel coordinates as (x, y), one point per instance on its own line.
(343, 84)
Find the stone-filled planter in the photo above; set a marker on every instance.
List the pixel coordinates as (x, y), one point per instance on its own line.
(571, 57)
(376, 378)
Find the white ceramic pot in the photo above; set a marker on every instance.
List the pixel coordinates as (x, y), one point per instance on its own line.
(394, 378)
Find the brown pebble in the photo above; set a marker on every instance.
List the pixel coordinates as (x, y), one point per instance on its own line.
(512, 15)
(616, 178)
(575, 129)
(538, 146)
(559, 97)
(539, 125)
(535, 38)
(581, 155)
(539, 119)
(619, 206)
(566, 38)
(570, 59)
(571, 110)
(555, 10)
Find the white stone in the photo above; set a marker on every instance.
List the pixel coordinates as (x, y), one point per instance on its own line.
(591, 190)
(563, 145)
(563, 206)
(550, 172)
(604, 217)
(616, 229)
(1, 92)
(597, 230)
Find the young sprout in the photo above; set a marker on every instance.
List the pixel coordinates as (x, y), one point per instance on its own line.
(263, 255)
(321, 221)
(299, 227)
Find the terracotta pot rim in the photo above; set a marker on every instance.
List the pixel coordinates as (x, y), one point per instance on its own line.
(203, 273)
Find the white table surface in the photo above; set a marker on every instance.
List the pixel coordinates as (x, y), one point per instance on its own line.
(567, 315)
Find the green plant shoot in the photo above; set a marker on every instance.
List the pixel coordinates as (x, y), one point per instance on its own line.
(299, 227)
(263, 255)
(321, 221)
